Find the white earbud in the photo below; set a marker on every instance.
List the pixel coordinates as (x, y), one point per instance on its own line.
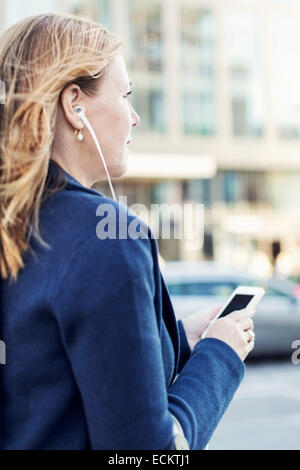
(80, 112)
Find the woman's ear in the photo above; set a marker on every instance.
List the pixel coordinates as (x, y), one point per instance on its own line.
(71, 97)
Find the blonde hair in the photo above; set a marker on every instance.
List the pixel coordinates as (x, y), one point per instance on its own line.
(39, 57)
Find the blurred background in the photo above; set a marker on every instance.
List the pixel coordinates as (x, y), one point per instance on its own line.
(217, 86)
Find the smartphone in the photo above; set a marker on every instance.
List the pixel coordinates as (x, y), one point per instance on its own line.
(243, 297)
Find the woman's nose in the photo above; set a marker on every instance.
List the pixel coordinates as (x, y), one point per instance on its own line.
(135, 118)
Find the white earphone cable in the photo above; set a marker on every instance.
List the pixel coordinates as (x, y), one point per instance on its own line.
(88, 125)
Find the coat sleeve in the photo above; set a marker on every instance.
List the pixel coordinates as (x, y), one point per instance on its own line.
(107, 319)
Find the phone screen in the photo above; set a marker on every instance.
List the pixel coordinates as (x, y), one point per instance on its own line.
(238, 302)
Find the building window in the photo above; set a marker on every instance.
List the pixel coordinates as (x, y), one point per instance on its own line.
(150, 105)
(197, 46)
(146, 43)
(198, 113)
(283, 190)
(197, 42)
(167, 191)
(241, 106)
(247, 187)
(146, 64)
(244, 61)
(198, 190)
(232, 187)
(285, 72)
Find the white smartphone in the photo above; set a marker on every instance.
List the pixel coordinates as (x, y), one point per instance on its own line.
(243, 297)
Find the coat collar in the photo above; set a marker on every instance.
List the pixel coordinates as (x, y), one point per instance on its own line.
(55, 172)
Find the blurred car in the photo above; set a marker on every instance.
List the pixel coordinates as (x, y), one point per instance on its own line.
(206, 285)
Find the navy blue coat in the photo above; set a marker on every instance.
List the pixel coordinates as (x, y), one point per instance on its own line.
(92, 344)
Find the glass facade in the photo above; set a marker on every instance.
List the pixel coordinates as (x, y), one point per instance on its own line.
(236, 76)
(197, 55)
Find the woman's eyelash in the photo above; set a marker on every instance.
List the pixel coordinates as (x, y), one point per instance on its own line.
(129, 93)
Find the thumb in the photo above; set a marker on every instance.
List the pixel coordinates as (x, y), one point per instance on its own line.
(214, 312)
(210, 318)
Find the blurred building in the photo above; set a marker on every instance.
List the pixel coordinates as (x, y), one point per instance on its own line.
(217, 86)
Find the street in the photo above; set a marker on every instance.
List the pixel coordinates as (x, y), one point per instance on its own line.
(265, 411)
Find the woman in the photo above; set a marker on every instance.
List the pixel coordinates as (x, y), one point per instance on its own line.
(92, 345)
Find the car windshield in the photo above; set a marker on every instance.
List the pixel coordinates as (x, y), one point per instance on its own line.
(222, 288)
(202, 288)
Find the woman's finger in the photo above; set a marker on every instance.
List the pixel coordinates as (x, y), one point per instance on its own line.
(250, 345)
(246, 323)
(249, 336)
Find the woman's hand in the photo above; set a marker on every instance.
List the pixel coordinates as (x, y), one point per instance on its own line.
(236, 329)
(196, 323)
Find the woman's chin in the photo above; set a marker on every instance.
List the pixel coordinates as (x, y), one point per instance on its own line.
(121, 170)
